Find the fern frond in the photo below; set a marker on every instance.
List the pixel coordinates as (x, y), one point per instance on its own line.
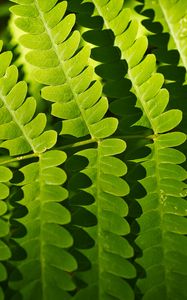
(19, 131)
(146, 82)
(5, 253)
(60, 63)
(165, 208)
(90, 244)
(172, 16)
(111, 252)
(164, 180)
(47, 267)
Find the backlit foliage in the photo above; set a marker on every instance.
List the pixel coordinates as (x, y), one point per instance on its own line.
(92, 144)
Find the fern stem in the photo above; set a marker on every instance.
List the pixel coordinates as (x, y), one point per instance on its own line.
(99, 228)
(69, 146)
(78, 144)
(19, 158)
(161, 198)
(74, 145)
(135, 136)
(41, 239)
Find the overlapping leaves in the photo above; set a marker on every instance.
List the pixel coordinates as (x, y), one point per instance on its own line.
(164, 178)
(61, 64)
(47, 267)
(20, 132)
(111, 252)
(82, 245)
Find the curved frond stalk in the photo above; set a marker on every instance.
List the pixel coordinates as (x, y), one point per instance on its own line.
(5, 252)
(61, 64)
(173, 17)
(19, 131)
(163, 189)
(46, 271)
(111, 251)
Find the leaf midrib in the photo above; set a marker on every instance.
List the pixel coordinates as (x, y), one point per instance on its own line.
(161, 210)
(68, 79)
(174, 35)
(14, 118)
(99, 213)
(143, 103)
(41, 258)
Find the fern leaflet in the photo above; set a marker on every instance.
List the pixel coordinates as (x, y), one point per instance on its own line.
(62, 65)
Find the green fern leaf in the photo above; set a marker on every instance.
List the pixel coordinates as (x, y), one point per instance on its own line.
(103, 231)
(146, 83)
(164, 181)
(46, 270)
(166, 209)
(20, 132)
(5, 253)
(172, 15)
(60, 63)
(111, 251)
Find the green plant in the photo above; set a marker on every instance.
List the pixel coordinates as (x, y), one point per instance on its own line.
(92, 186)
